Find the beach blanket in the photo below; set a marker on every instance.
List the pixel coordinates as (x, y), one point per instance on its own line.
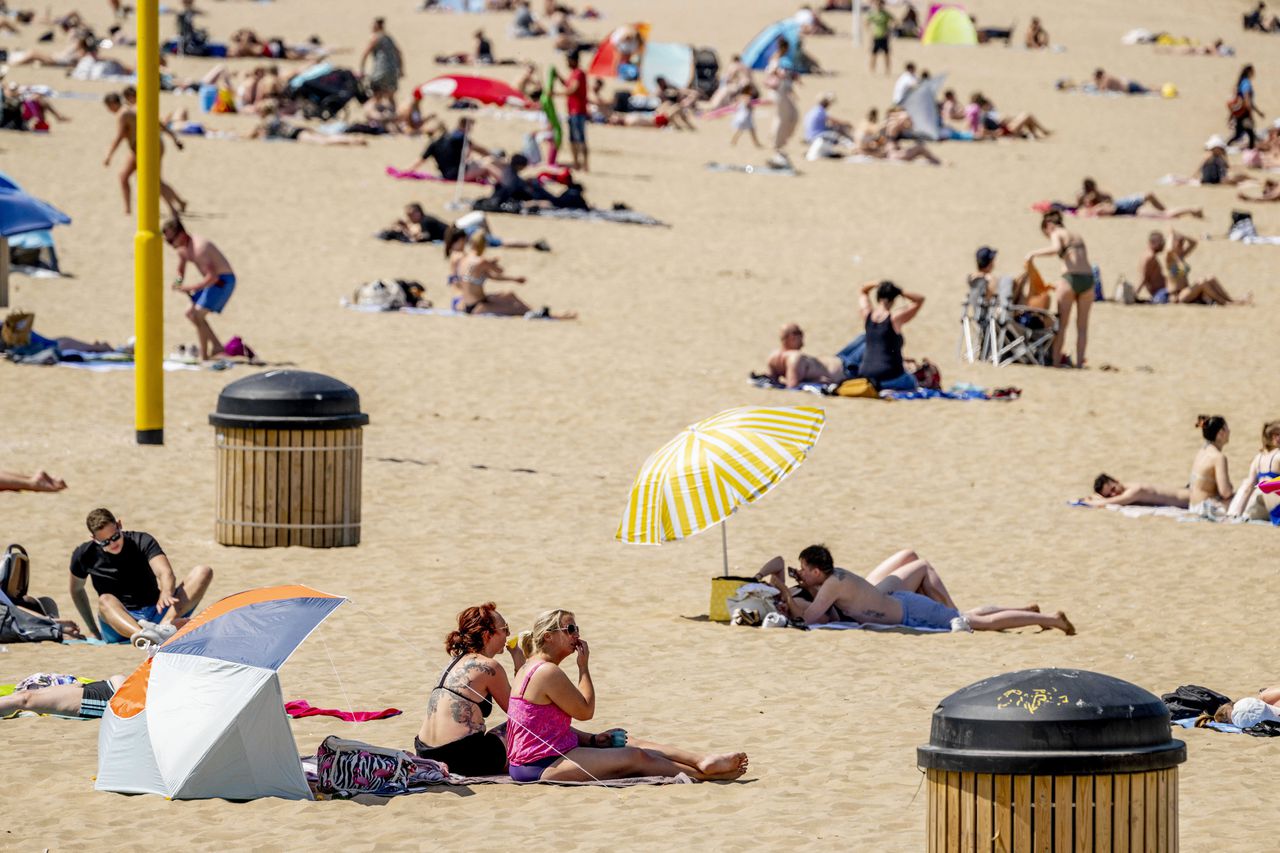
(1176, 513)
(303, 708)
(860, 626)
(959, 391)
(36, 272)
(425, 773)
(410, 175)
(748, 169)
(434, 312)
(622, 216)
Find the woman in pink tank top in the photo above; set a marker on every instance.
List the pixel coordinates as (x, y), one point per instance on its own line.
(541, 743)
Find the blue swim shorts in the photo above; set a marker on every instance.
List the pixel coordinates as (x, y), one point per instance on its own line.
(148, 614)
(214, 297)
(920, 611)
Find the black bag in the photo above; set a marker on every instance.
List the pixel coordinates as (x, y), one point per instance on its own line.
(1192, 700)
(19, 626)
(1266, 728)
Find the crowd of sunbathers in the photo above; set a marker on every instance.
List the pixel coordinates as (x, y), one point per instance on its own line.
(1209, 491)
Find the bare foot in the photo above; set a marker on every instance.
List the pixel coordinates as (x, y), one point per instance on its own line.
(1066, 626)
(726, 765)
(1198, 213)
(1033, 607)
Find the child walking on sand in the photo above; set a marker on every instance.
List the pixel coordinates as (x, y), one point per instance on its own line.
(744, 117)
(212, 292)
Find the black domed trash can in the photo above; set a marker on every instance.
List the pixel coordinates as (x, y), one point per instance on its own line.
(1052, 760)
(290, 447)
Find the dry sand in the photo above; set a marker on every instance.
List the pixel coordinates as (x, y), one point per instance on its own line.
(672, 322)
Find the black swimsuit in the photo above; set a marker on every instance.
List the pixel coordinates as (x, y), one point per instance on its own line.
(477, 754)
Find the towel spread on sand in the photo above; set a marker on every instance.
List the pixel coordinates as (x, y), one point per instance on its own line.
(858, 626)
(1176, 513)
(749, 169)
(303, 708)
(434, 312)
(410, 175)
(959, 391)
(623, 216)
(427, 773)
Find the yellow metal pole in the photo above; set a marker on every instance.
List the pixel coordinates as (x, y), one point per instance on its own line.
(148, 259)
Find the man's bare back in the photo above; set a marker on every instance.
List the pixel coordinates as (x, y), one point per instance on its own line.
(794, 367)
(857, 600)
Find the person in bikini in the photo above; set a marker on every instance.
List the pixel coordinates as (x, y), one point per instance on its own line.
(543, 746)
(127, 132)
(1252, 502)
(474, 269)
(1076, 287)
(903, 590)
(1177, 285)
(453, 731)
(1210, 481)
(1108, 491)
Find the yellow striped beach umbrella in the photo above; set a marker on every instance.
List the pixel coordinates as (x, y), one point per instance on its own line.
(699, 478)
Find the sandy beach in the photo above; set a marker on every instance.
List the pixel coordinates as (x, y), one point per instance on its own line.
(500, 452)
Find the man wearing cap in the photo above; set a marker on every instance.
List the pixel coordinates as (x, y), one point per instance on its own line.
(1215, 169)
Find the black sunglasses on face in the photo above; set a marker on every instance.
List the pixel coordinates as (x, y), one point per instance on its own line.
(571, 630)
(112, 538)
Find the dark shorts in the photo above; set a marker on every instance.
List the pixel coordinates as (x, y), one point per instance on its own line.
(149, 614)
(880, 45)
(578, 129)
(97, 694)
(1129, 205)
(214, 297)
(480, 754)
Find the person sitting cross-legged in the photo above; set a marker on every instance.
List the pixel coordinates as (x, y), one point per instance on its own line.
(138, 594)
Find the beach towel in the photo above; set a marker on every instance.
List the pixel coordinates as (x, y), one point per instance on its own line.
(414, 775)
(436, 312)
(749, 169)
(410, 175)
(960, 391)
(1176, 513)
(622, 216)
(303, 708)
(860, 626)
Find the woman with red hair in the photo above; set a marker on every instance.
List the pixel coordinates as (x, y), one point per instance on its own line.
(453, 732)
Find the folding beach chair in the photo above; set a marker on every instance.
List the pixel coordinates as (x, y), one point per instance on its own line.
(1019, 334)
(974, 323)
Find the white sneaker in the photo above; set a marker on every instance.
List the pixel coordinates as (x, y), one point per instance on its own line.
(145, 638)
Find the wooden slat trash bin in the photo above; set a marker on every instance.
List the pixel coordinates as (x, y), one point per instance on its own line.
(1052, 760)
(289, 454)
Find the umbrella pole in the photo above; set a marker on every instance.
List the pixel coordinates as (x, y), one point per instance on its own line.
(4, 272)
(724, 543)
(462, 170)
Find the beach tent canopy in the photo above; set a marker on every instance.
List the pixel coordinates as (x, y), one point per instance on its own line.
(672, 62)
(204, 716)
(482, 89)
(608, 55)
(950, 25)
(21, 213)
(921, 105)
(757, 54)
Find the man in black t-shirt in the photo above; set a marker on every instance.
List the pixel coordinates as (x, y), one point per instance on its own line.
(447, 150)
(138, 596)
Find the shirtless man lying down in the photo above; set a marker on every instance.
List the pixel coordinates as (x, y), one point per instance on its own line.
(1108, 491)
(903, 590)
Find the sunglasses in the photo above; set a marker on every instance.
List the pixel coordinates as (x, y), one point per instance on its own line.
(571, 630)
(112, 538)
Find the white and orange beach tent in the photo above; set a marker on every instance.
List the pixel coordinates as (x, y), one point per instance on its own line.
(204, 716)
